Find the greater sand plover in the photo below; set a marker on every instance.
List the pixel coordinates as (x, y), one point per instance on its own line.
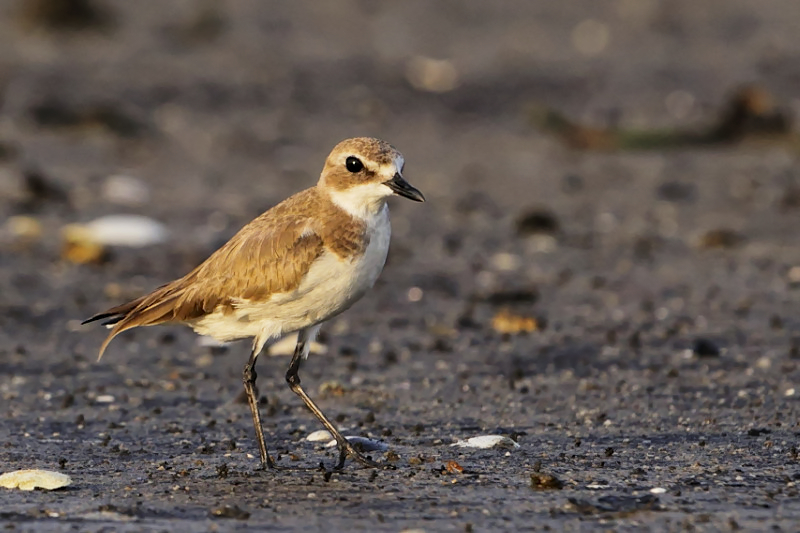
(297, 265)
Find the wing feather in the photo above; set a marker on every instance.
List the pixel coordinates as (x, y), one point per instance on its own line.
(268, 256)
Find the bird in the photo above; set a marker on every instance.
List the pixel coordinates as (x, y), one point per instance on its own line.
(291, 269)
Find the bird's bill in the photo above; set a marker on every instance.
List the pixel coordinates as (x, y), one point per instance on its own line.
(403, 188)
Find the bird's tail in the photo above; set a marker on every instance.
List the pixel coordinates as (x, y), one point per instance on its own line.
(148, 310)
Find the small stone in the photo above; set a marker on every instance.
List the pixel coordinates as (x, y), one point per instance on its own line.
(720, 239)
(509, 323)
(453, 467)
(537, 222)
(125, 190)
(228, 511)
(544, 481)
(705, 348)
(432, 75)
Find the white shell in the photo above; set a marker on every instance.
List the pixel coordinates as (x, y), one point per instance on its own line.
(485, 442)
(367, 445)
(34, 479)
(125, 230)
(321, 435)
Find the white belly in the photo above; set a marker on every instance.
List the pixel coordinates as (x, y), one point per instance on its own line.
(331, 286)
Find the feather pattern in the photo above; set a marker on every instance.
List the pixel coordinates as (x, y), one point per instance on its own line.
(269, 256)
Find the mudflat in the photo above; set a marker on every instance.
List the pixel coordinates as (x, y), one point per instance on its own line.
(606, 271)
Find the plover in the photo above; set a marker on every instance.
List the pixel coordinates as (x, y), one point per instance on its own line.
(297, 265)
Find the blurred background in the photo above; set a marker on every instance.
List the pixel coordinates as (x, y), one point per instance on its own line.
(616, 140)
(609, 248)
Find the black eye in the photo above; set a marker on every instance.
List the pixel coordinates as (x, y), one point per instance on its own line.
(354, 164)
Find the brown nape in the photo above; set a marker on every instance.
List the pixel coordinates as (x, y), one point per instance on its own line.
(270, 255)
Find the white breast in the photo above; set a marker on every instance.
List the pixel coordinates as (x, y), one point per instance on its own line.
(331, 286)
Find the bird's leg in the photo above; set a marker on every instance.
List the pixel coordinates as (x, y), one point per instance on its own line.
(249, 378)
(293, 379)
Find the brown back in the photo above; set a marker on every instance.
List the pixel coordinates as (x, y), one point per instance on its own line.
(269, 255)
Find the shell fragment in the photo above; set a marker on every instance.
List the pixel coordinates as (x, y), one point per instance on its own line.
(34, 479)
(363, 444)
(484, 442)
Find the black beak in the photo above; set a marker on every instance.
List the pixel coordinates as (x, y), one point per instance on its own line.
(403, 188)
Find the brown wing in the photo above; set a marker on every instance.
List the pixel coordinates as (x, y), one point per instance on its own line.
(268, 256)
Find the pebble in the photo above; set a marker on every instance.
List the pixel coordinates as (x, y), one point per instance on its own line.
(509, 323)
(432, 75)
(125, 190)
(23, 228)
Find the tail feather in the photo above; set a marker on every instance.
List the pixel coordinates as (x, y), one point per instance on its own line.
(116, 313)
(149, 310)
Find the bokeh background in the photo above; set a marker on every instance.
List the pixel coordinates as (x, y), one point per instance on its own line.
(608, 258)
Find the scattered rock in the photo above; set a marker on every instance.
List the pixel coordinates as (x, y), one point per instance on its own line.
(42, 191)
(507, 322)
(452, 467)
(34, 479)
(55, 114)
(60, 15)
(676, 191)
(125, 190)
(77, 247)
(618, 506)
(751, 112)
(506, 262)
(23, 230)
(720, 239)
(230, 511)
(432, 75)
(544, 481)
(572, 184)
(537, 222)
(705, 348)
(525, 296)
(793, 277)
(206, 24)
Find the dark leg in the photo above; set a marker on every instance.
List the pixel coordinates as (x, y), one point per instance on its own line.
(249, 378)
(293, 379)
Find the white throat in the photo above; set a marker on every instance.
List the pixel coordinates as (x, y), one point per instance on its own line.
(363, 202)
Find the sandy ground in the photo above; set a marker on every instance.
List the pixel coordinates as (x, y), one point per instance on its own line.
(660, 385)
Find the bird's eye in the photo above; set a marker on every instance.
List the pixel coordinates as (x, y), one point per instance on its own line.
(354, 164)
